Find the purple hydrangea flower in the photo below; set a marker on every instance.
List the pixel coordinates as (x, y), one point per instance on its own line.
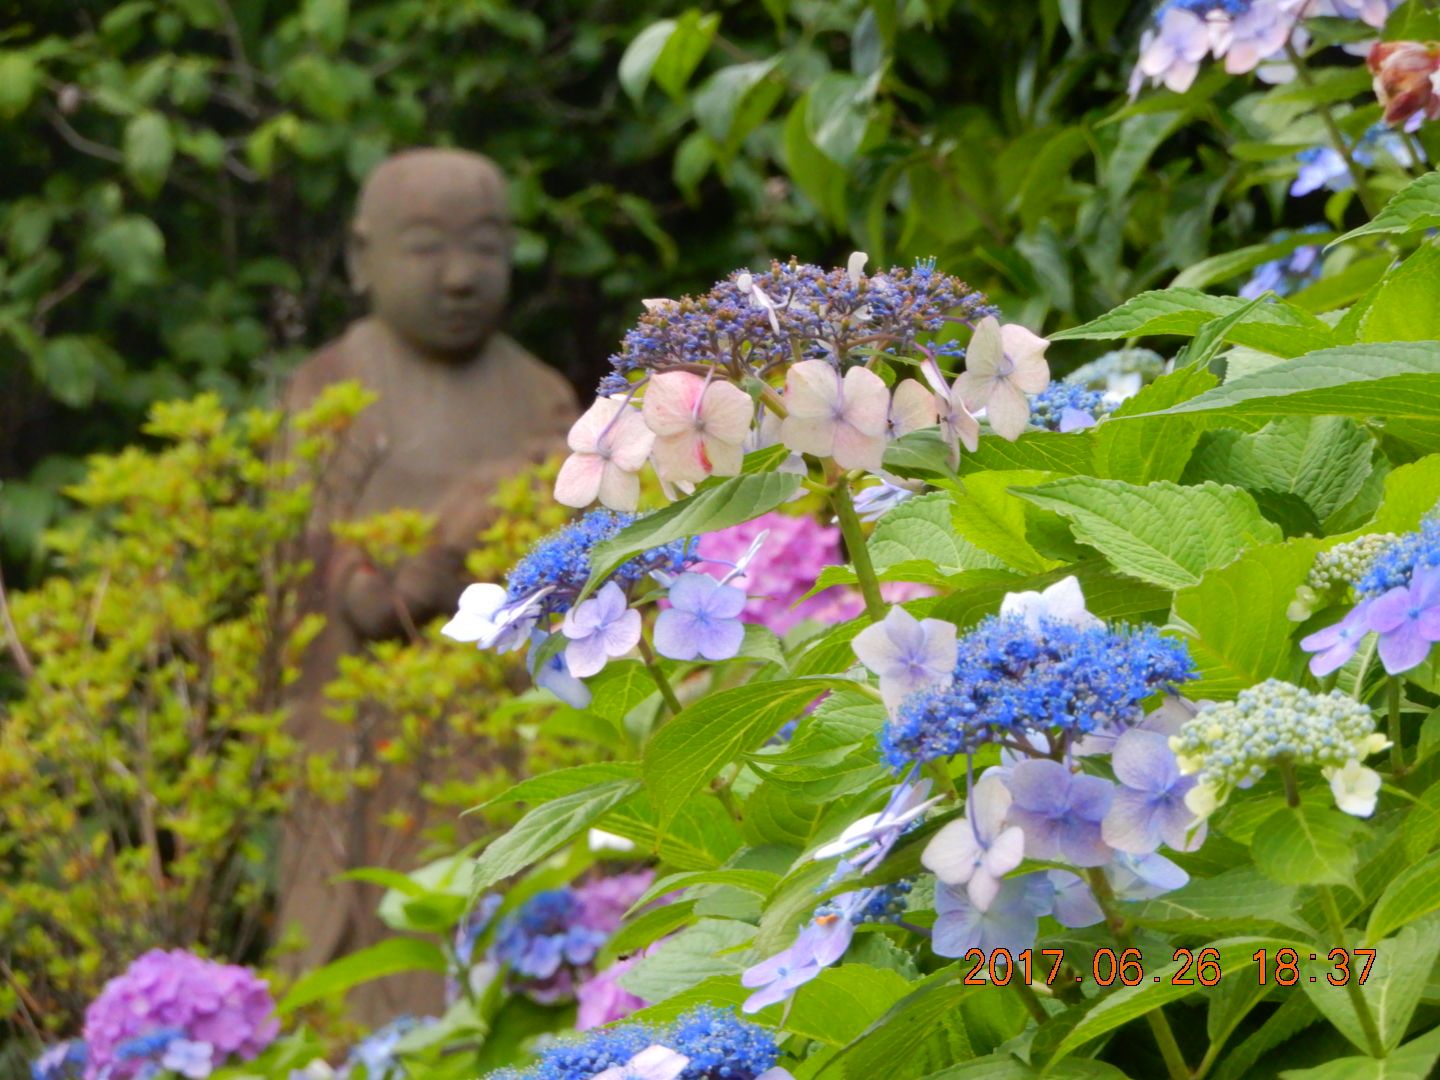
(599, 629)
(875, 834)
(978, 850)
(1407, 618)
(703, 620)
(176, 992)
(1335, 645)
(1149, 807)
(376, 1052)
(192, 1059)
(1010, 922)
(1073, 904)
(1061, 811)
(1172, 51)
(555, 675)
(908, 654)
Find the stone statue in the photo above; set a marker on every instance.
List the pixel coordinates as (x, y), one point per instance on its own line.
(460, 406)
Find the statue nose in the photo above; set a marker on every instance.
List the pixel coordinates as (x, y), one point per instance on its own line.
(460, 274)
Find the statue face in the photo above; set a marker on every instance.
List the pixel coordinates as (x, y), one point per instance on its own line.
(433, 252)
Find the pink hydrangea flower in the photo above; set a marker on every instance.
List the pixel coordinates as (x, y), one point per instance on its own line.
(844, 419)
(602, 1000)
(700, 426)
(610, 445)
(796, 551)
(222, 1005)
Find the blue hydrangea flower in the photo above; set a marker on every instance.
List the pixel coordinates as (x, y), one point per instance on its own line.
(546, 932)
(721, 1046)
(1010, 680)
(1393, 567)
(582, 1059)
(703, 620)
(1407, 618)
(561, 562)
(554, 674)
(191, 1059)
(1149, 805)
(1065, 407)
(1285, 275)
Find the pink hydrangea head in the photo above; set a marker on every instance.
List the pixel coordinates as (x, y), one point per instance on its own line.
(796, 550)
(202, 1001)
(602, 1000)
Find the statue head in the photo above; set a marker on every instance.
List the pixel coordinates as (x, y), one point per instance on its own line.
(430, 246)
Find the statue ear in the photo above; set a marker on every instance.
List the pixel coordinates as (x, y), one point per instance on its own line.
(355, 249)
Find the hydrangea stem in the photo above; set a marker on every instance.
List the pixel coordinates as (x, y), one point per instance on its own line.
(855, 546)
(1392, 701)
(1336, 928)
(1357, 175)
(1159, 1026)
(1030, 1001)
(667, 692)
(1292, 785)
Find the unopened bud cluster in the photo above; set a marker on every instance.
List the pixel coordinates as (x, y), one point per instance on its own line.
(1336, 571)
(1233, 743)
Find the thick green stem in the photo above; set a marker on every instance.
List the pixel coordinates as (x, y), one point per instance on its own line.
(1292, 786)
(667, 692)
(1357, 995)
(855, 545)
(1159, 1026)
(1392, 700)
(1030, 1001)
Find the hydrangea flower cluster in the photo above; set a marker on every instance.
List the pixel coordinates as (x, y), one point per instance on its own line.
(175, 1011)
(1012, 681)
(1399, 591)
(1067, 406)
(705, 1043)
(1052, 684)
(1249, 35)
(703, 619)
(1285, 275)
(704, 368)
(550, 942)
(1234, 744)
(755, 323)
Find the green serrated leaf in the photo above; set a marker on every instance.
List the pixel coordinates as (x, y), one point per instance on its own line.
(1234, 620)
(1280, 328)
(1161, 533)
(692, 748)
(1414, 208)
(1305, 845)
(1155, 448)
(389, 957)
(731, 502)
(1394, 380)
(1414, 894)
(546, 829)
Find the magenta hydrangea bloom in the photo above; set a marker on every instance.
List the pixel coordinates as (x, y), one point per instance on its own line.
(602, 1000)
(604, 901)
(796, 551)
(197, 1001)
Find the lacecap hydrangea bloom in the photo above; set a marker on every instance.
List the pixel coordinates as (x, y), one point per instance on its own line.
(1011, 682)
(789, 352)
(1234, 744)
(1119, 374)
(542, 596)
(175, 1004)
(715, 1044)
(1066, 407)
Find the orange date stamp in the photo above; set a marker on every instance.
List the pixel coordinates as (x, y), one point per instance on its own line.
(1107, 967)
